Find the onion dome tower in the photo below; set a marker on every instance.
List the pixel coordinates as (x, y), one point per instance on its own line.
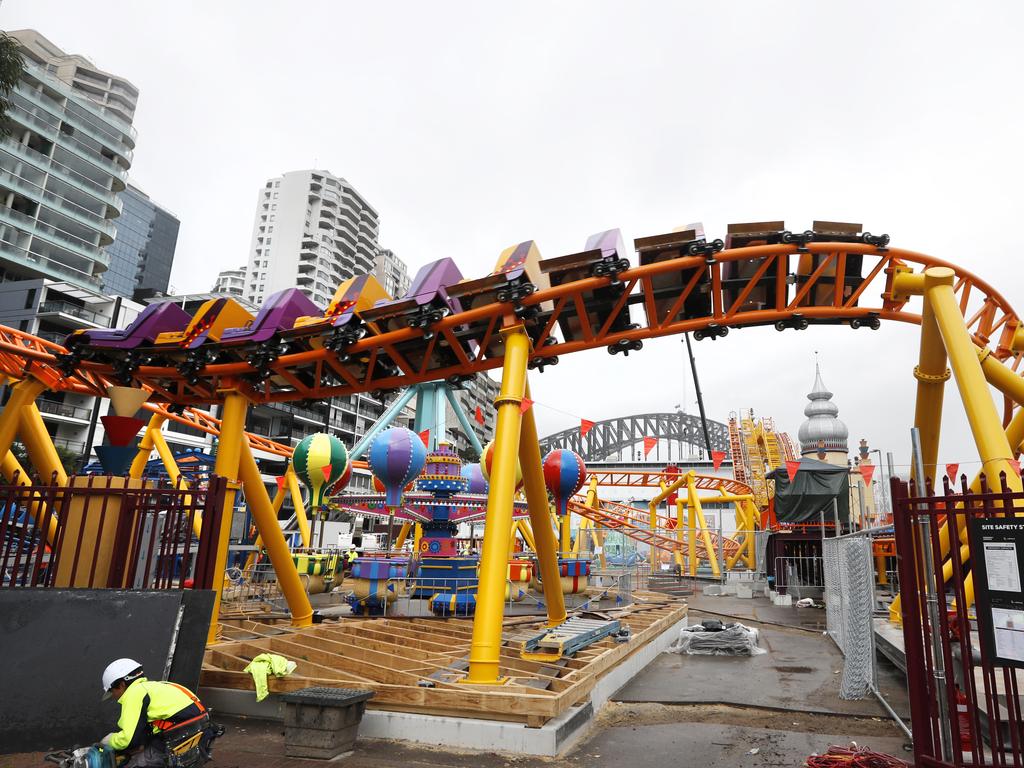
(823, 435)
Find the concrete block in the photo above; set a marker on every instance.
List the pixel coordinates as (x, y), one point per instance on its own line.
(712, 590)
(744, 592)
(728, 589)
(783, 600)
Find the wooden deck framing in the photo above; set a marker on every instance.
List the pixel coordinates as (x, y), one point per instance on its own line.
(415, 665)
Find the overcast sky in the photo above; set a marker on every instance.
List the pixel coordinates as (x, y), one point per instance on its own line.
(473, 126)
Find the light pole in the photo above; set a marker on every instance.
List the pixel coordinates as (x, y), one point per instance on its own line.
(886, 505)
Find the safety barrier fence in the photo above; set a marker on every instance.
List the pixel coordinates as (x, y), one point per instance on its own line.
(799, 576)
(966, 707)
(95, 532)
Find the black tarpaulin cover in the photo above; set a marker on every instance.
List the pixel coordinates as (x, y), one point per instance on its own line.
(811, 492)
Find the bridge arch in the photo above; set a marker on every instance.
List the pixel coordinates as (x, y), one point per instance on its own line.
(611, 436)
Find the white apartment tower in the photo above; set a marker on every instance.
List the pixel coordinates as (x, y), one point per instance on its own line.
(312, 230)
(392, 273)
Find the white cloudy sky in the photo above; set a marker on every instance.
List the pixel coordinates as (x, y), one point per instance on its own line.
(471, 126)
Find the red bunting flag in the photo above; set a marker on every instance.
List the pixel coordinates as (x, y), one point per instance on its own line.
(479, 415)
(649, 443)
(425, 437)
(326, 469)
(585, 426)
(792, 467)
(866, 471)
(281, 480)
(717, 457)
(1015, 465)
(524, 406)
(953, 472)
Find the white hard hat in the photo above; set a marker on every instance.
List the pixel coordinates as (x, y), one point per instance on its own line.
(118, 670)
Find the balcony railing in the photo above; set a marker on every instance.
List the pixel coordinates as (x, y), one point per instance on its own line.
(64, 409)
(66, 308)
(42, 263)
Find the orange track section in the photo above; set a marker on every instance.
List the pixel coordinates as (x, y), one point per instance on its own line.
(319, 373)
(632, 522)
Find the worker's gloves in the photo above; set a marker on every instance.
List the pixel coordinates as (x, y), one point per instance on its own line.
(105, 741)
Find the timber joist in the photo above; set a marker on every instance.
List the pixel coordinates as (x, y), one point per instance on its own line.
(417, 665)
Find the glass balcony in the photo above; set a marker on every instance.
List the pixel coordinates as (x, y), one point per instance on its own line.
(66, 308)
(93, 132)
(58, 85)
(48, 164)
(52, 234)
(61, 205)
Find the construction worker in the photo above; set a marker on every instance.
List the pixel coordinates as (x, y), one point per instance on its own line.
(156, 719)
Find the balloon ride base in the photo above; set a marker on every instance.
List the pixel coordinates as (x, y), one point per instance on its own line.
(453, 603)
(375, 582)
(445, 574)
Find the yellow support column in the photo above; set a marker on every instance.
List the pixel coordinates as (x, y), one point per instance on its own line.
(301, 518)
(695, 507)
(986, 424)
(12, 469)
(536, 491)
(403, 534)
(262, 510)
(416, 537)
(40, 447)
(931, 374)
(527, 533)
(485, 648)
(156, 421)
(229, 445)
(680, 531)
(22, 394)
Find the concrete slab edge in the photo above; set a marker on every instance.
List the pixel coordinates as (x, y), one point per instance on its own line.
(553, 738)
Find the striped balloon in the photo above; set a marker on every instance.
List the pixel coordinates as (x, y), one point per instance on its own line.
(396, 457)
(564, 474)
(315, 454)
(485, 465)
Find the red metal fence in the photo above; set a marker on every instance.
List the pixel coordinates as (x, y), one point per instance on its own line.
(95, 532)
(965, 710)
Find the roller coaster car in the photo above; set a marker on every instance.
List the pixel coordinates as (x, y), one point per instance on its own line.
(737, 274)
(210, 322)
(426, 302)
(154, 320)
(604, 255)
(824, 292)
(341, 323)
(516, 275)
(688, 241)
(277, 315)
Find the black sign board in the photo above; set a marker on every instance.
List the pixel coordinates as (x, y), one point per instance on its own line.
(997, 562)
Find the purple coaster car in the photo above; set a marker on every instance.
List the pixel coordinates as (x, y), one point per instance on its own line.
(151, 322)
(426, 302)
(278, 313)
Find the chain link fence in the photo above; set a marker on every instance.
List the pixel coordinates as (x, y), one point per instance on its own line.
(849, 596)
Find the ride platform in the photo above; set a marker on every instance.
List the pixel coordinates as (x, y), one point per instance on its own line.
(418, 665)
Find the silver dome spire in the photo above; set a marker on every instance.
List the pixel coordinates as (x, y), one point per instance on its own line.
(823, 429)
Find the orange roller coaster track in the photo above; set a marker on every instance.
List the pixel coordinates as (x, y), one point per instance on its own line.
(817, 297)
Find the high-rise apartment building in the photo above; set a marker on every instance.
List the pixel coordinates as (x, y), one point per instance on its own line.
(62, 166)
(392, 272)
(142, 254)
(114, 94)
(312, 230)
(231, 282)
